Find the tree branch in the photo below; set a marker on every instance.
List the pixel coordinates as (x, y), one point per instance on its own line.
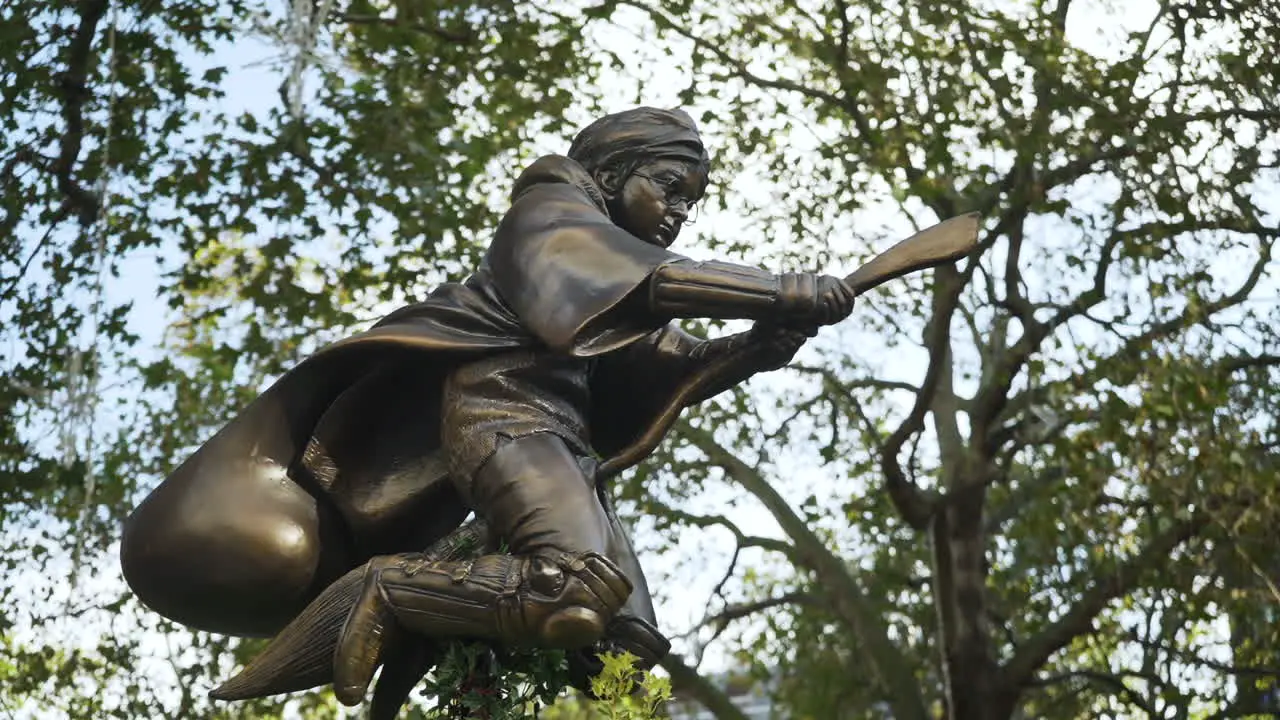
(1060, 16)
(741, 610)
(867, 383)
(1013, 297)
(1232, 114)
(461, 38)
(847, 598)
(73, 94)
(912, 503)
(1192, 658)
(1113, 682)
(1103, 152)
(688, 680)
(945, 409)
(991, 400)
(721, 620)
(743, 540)
(739, 68)
(941, 201)
(1027, 492)
(1078, 620)
(1248, 362)
(63, 211)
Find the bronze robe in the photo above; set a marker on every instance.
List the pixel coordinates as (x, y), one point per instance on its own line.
(358, 423)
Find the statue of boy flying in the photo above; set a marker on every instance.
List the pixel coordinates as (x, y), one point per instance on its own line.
(496, 396)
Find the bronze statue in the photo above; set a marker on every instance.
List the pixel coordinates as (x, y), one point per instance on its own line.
(335, 503)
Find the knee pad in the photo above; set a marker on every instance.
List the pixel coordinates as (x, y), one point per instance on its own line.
(590, 590)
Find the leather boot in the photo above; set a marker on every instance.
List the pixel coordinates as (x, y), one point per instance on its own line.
(563, 601)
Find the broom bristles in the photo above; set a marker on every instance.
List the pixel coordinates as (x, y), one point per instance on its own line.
(300, 657)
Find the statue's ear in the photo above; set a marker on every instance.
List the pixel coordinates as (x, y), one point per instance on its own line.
(610, 180)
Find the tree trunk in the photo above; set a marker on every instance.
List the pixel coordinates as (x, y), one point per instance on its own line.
(972, 679)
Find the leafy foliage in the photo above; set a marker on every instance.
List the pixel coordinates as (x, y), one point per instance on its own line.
(473, 681)
(1033, 484)
(622, 692)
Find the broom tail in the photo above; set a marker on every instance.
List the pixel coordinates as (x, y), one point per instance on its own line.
(300, 657)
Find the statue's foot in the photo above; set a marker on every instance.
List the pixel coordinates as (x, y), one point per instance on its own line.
(627, 633)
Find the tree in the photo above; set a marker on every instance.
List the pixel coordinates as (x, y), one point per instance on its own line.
(1042, 477)
(1041, 464)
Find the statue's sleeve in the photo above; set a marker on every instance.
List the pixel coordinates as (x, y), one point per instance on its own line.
(573, 278)
(631, 385)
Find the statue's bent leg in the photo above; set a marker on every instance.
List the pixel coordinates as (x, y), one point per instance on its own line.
(555, 588)
(234, 553)
(622, 552)
(554, 585)
(635, 627)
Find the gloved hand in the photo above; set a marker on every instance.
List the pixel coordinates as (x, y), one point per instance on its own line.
(776, 344)
(835, 300)
(812, 298)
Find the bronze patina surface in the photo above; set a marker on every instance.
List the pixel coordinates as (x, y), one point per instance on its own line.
(332, 509)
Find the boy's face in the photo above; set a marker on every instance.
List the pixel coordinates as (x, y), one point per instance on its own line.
(656, 200)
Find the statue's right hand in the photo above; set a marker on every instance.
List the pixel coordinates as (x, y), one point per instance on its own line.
(812, 298)
(835, 300)
(776, 345)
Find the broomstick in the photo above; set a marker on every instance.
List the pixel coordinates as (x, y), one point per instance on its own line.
(945, 242)
(301, 655)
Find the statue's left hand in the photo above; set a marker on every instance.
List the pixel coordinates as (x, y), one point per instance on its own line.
(776, 345)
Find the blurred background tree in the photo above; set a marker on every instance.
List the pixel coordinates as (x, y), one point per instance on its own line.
(1036, 484)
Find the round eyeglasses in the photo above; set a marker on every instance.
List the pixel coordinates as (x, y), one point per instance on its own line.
(673, 195)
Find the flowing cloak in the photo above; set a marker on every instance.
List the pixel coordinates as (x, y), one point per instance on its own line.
(358, 423)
